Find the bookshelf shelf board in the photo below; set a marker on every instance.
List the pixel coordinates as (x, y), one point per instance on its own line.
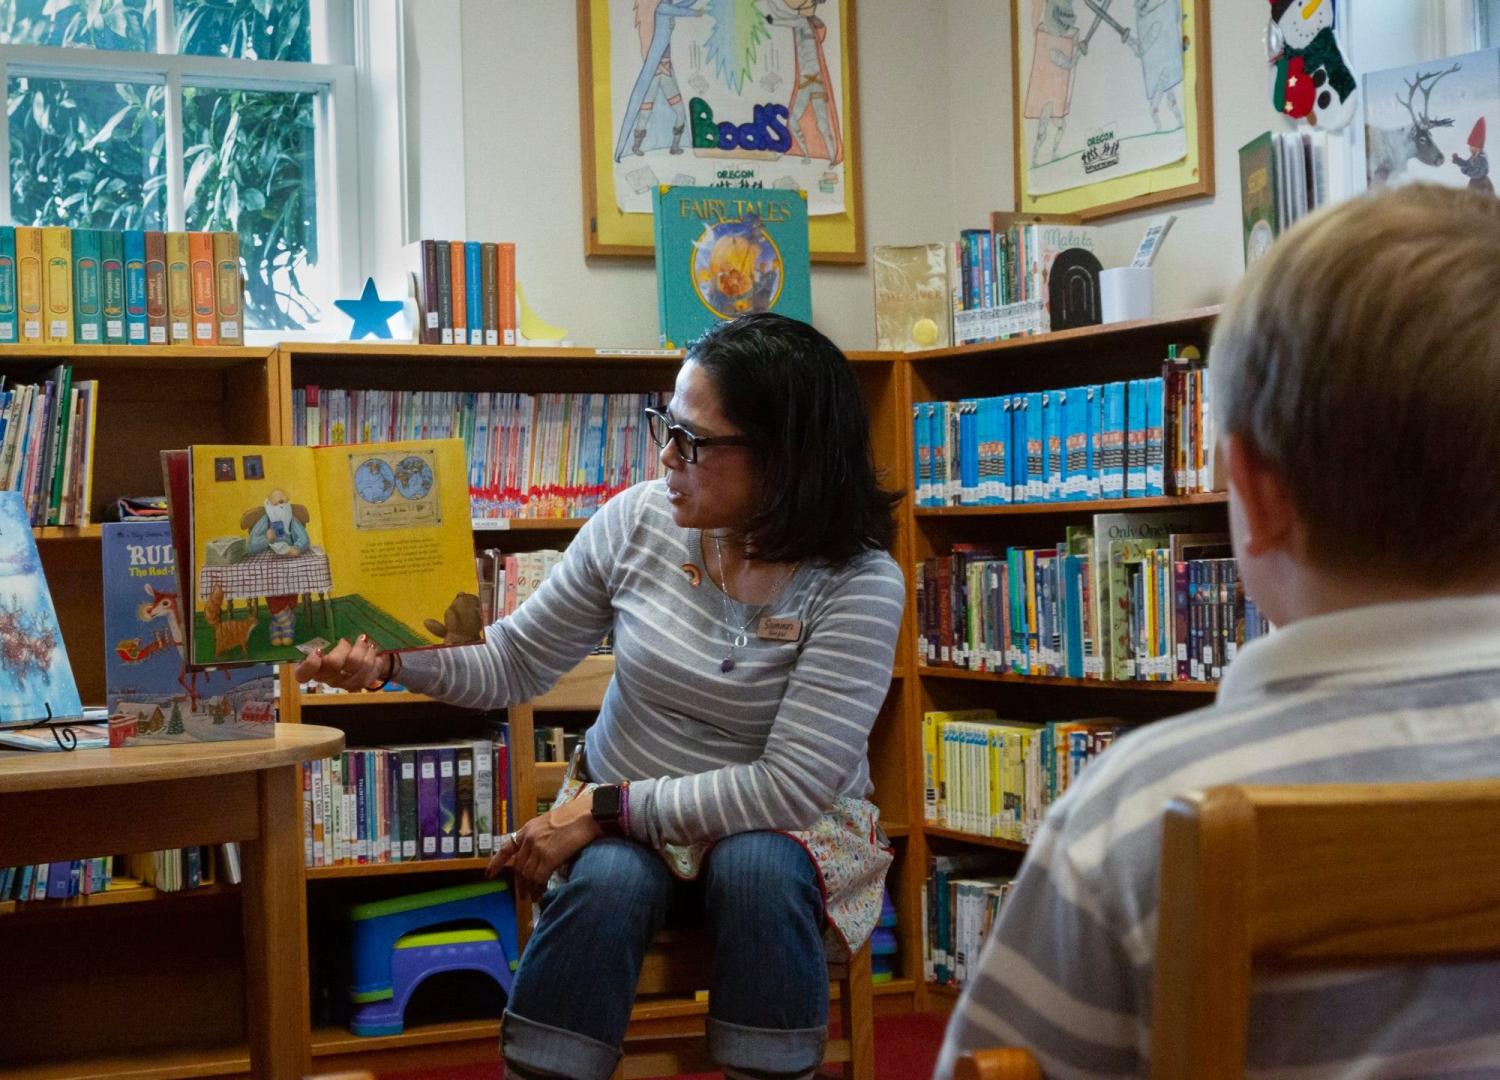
(144, 1065)
(366, 700)
(894, 831)
(48, 533)
(488, 525)
(549, 776)
(943, 990)
(974, 838)
(1052, 680)
(127, 357)
(327, 1041)
(133, 893)
(1077, 339)
(1096, 506)
(510, 355)
(424, 866)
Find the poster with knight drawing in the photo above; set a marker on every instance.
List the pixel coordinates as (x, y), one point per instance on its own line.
(1102, 85)
(727, 93)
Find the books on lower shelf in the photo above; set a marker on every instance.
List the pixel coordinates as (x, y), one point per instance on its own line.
(405, 803)
(962, 898)
(1139, 438)
(120, 287)
(1136, 598)
(996, 778)
(168, 871)
(551, 455)
(47, 446)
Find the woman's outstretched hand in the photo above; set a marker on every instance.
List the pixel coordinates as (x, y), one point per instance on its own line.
(356, 666)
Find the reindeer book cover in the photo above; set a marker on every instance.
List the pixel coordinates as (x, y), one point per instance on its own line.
(295, 547)
(1430, 123)
(146, 673)
(35, 677)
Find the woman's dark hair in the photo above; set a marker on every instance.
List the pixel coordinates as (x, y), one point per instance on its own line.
(794, 394)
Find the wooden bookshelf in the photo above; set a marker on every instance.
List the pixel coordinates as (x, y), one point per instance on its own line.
(1067, 358)
(132, 893)
(400, 869)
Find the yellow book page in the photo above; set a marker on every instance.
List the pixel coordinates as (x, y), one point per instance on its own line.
(260, 587)
(396, 519)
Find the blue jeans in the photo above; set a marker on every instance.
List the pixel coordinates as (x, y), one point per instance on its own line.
(768, 995)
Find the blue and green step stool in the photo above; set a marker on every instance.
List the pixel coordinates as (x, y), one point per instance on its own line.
(399, 943)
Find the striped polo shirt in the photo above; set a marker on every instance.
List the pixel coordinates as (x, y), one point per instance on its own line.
(769, 744)
(1379, 694)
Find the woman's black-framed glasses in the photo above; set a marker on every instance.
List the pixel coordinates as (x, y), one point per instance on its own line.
(662, 428)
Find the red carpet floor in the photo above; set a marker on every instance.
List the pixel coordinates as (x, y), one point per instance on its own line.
(906, 1048)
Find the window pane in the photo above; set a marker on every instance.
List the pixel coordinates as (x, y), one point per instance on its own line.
(89, 24)
(246, 29)
(250, 169)
(86, 154)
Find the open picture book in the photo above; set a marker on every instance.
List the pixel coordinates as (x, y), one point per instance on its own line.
(285, 549)
(36, 681)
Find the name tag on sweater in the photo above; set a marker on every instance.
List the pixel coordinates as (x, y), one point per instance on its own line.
(773, 629)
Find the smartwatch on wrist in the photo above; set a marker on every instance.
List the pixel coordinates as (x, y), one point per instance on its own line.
(610, 801)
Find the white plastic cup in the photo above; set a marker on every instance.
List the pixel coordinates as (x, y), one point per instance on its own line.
(1125, 293)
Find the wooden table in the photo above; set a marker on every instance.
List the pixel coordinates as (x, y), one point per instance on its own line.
(77, 805)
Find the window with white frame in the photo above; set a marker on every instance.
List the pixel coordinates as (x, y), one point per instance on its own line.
(191, 114)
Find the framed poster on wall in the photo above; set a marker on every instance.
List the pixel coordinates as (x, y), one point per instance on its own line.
(718, 93)
(1113, 107)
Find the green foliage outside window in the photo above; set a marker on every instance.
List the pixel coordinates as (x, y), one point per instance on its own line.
(92, 154)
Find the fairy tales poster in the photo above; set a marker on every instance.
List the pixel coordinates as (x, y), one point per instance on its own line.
(723, 253)
(743, 95)
(295, 547)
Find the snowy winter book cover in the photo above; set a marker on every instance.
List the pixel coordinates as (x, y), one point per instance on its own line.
(35, 678)
(152, 694)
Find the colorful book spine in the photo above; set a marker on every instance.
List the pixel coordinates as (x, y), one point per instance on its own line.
(229, 288)
(31, 289)
(411, 837)
(432, 333)
(464, 799)
(10, 331)
(136, 321)
(489, 274)
(428, 813)
(444, 276)
(88, 288)
(112, 284)
(460, 290)
(57, 288)
(1155, 436)
(505, 255)
(1112, 443)
(201, 256)
(473, 292)
(179, 288)
(156, 288)
(447, 803)
(1135, 437)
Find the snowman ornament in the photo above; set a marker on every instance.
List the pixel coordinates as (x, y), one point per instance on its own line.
(1311, 82)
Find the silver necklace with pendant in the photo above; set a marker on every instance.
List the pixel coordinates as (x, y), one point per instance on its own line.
(738, 637)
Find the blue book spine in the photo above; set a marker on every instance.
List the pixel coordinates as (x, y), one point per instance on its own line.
(1000, 418)
(1155, 431)
(1073, 590)
(968, 448)
(1020, 491)
(474, 292)
(9, 325)
(987, 267)
(1112, 473)
(1053, 405)
(135, 287)
(60, 880)
(1095, 421)
(918, 455)
(1135, 438)
(1036, 447)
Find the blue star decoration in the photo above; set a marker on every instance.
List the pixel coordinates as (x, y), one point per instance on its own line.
(369, 312)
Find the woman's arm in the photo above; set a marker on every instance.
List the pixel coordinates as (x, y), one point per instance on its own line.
(819, 736)
(523, 656)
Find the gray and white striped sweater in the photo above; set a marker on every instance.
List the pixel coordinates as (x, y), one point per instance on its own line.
(768, 745)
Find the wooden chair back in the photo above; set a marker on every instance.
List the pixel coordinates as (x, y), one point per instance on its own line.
(1305, 877)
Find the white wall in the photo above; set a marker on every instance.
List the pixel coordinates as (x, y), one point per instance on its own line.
(512, 169)
(493, 122)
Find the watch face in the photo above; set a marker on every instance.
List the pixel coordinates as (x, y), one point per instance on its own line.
(606, 802)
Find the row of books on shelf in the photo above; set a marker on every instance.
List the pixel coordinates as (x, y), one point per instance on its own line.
(962, 900)
(405, 803)
(507, 579)
(467, 290)
(169, 870)
(528, 455)
(120, 287)
(1136, 598)
(47, 446)
(1135, 439)
(997, 778)
(1286, 175)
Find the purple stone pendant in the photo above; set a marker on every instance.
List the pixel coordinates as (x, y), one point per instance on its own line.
(728, 665)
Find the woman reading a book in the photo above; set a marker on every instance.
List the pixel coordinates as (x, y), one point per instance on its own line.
(754, 613)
